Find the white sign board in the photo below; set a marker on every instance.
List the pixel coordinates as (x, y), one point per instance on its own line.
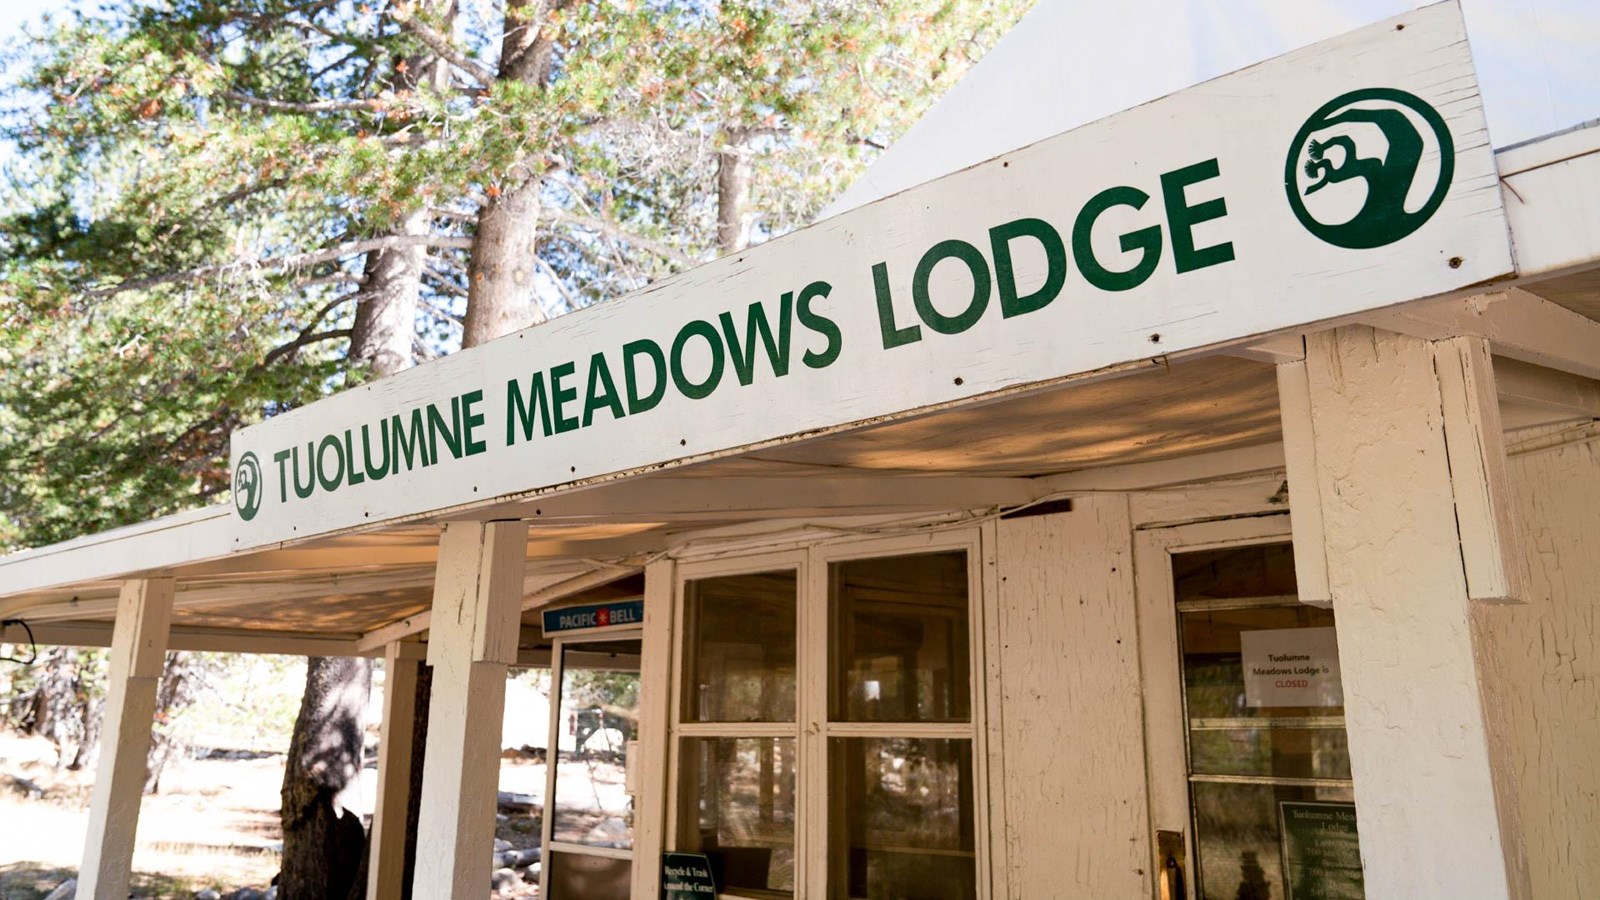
(1345, 177)
(1291, 667)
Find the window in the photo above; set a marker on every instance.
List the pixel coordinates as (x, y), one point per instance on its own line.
(1269, 764)
(876, 796)
(737, 760)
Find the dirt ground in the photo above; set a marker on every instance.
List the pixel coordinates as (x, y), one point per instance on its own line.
(214, 824)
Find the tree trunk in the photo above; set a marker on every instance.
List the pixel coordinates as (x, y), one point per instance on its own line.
(733, 198)
(502, 296)
(323, 839)
(419, 746)
(386, 315)
(501, 292)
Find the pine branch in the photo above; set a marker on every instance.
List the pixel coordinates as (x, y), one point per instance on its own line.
(441, 44)
(617, 232)
(291, 261)
(305, 339)
(316, 106)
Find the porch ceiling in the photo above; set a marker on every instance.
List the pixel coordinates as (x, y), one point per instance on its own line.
(987, 455)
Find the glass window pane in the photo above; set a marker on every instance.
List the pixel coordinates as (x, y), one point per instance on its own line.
(1239, 841)
(899, 639)
(901, 826)
(589, 877)
(1230, 736)
(599, 715)
(1256, 570)
(741, 648)
(740, 809)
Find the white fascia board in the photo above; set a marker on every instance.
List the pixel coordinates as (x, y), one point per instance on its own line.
(174, 540)
(1552, 202)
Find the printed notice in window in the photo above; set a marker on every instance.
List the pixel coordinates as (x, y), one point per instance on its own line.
(1291, 667)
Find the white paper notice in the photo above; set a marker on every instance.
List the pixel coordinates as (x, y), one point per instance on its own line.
(1291, 667)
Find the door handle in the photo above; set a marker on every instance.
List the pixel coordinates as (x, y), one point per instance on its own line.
(1169, 862)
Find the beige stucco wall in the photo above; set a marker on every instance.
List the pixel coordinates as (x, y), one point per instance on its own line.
(1545, 668)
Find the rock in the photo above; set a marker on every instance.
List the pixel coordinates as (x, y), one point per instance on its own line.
(501, 845)
(208, 894)
(30, 790)
(246, 893)
(511, 802)
(505, 881)
(271, 894)
(67, 890)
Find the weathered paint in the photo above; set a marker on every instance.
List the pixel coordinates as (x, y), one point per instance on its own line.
(471, 645)
(1419, 738)
(1076, 820)
(1543, 660)
(138, 651)
(390, 815)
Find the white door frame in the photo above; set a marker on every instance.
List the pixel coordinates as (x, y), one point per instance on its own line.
(558, 666)
(1166, 754)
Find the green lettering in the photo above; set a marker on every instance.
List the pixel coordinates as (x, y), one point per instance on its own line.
(280, 458)
(689, 388)
(562, 395)
(472, 420)
(820, 324)
(632, 351)
(976, 264)
(606, 395)
(355, 476)
(451, 432)
(376, 473)
(1146, 240)
(743, 356)
(519, 410)
(1181, 217)
(329, 483)
(893, 336)
(311, 471)
(416, 441)
(1055, 254)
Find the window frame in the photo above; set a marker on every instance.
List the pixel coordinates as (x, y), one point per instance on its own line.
(818, 866)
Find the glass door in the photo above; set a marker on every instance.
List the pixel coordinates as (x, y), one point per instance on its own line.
(588, 821)
(1268, 770)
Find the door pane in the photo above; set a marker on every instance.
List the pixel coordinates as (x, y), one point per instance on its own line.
(574, 875)
(1237, 728)
(740, 793)
(1269, 761)
(901, 826)
(899, 648)
(741, 648)
(599, 715)
(1239, 839)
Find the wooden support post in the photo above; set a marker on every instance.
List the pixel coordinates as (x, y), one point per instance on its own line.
(1403, 473)
(473, 641)
(138, 650)
(387, 844)
(655, 676)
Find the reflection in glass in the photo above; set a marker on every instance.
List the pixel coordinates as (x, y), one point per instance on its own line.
(901, 825)
(1238, 840)
(741, 648)
(899, 639)
(741, 792)
(589, 877)
(599, 715)
(1227, 736)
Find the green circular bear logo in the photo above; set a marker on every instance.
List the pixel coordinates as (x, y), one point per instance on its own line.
(247, 486)
(1354, 168)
